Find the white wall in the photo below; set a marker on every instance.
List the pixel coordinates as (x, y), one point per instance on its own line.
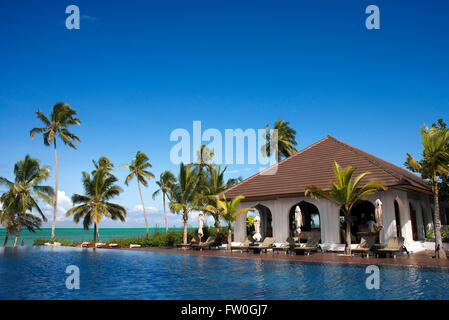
(329, 216)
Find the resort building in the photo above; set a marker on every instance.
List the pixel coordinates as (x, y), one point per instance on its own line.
(407, 203)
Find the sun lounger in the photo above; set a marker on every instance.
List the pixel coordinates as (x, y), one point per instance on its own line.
(286, 246)
(394, 246)
(365, 246)
(312, 245)
(194, 240)
(267, 243)
(243, 246)
(209, 243)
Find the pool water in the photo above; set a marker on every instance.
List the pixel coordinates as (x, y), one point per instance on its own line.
(39, 273)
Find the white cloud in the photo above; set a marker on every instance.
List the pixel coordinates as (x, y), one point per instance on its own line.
(64, 204)
(149, 209)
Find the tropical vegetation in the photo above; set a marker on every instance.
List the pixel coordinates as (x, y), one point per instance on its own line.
(228, 210)
(184, 195)
(346, 192)
(434, 166)
(95, 204)
(281, 140)
(57, 125)
(23, 195)
(165, 184)
(138, 169)
(214, 184)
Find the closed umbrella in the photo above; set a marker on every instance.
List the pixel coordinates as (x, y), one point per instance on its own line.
(378, 214)
(200, 225)
(298, 221)
(257, 236)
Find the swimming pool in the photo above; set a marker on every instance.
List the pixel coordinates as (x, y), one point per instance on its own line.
(39, 273)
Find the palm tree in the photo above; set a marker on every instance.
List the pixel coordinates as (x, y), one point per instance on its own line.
(345, 193)
(99, 189)
(14, 222)
(228, 210)
(7, 221)
(184, 195)
(282, 141)
(433, 166)
(103, 162)
(165, 183)
(24, 193)
(203, 165)
(137, 169)
(61, 118)
(216, 184)
(204, 157)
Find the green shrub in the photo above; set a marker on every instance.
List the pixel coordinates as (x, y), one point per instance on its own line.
(250, 225)
(170, 239)
(430, 234)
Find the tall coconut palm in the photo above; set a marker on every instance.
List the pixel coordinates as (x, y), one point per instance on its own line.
(204, 156)
(203, 165)
(61, 118)
(228, 210)
(282, 141)
(184, 195)
(216, 184)
(138, 170)
(24, 194)
(346, 192)
(165, 183)
(434, 165)
(95, 204)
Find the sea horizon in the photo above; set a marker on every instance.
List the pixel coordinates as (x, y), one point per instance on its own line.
(81, 235)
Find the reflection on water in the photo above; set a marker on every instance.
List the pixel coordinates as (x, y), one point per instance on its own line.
(39, 273)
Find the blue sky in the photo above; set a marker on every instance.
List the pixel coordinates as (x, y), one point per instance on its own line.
(137, 70)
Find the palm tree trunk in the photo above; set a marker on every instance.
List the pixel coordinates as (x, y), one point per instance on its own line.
(17, 236)
(185, 217)
(95, 232)
(348, 234)
(143, 206)
(55, 205)
(229, 237)
(439, 251)
(6, 238)
(217, 224)
(165, 213)
(19, 221)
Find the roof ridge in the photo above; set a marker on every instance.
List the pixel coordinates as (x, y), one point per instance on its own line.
(375, 161)
(278, 163)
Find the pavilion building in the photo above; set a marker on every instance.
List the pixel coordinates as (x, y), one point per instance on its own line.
(407, 204)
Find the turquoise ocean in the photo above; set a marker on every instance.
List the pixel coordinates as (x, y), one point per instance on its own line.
(77, 234)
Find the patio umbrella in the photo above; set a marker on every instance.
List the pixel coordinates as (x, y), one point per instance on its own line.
(379, 226)
(298, 221)
(200, 224)
(257, 236)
